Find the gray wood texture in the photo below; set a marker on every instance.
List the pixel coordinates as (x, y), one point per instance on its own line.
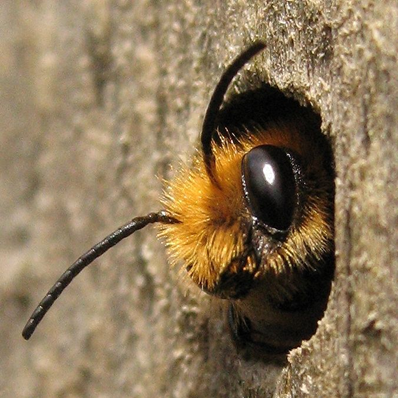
(97, 99)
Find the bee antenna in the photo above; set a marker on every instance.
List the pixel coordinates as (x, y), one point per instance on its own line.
(213, 110)
(86, 259)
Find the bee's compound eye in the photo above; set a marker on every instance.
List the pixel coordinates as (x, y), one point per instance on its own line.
(269, 185)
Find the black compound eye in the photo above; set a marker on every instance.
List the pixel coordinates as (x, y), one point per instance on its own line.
(269, 185)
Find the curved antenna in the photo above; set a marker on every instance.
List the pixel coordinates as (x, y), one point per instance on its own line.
(213, 110)
(86, 259)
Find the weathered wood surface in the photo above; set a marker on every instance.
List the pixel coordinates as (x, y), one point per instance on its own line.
(98, 97)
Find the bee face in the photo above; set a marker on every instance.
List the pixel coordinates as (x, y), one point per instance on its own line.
(251, 217)
(270, 211)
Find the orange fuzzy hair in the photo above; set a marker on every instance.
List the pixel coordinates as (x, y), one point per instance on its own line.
(210, 235)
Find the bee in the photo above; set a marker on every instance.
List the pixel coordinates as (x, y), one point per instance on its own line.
(251, 217)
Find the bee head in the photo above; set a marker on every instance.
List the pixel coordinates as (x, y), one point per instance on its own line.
(268, 212)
